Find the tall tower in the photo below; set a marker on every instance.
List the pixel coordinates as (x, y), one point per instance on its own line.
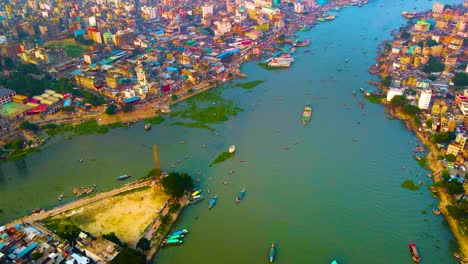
(157, 166)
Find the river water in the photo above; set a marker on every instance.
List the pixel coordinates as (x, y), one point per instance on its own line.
(326, 197)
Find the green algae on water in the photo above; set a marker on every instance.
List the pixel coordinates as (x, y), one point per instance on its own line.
(222, 157)
(409, 184)
(250, 85)
(154, 120)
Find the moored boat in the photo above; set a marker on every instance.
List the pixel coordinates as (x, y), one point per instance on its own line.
(240, 196)
(147, 127)
(175, 237)
(61, 196)
(196, 199)
(173, 241)
(180, 232)
(272, 253)
(414, 252)
(232, 149)
(306, 114)
(123, 177)
(436, 211)
(334, 262)
(212, 202)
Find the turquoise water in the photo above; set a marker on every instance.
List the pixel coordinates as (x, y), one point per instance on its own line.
(324, 198)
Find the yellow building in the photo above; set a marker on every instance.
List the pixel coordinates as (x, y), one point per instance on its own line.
(416, 62)
(405, 60)
(453, 149)
(112, 81)
(85, 81)
(439, 107)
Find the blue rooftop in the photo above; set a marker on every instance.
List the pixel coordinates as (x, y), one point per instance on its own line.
(27, 250)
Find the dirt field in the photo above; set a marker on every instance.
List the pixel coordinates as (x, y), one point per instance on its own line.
(126, 215)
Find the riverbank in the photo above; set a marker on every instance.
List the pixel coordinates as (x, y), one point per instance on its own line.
(437, 168)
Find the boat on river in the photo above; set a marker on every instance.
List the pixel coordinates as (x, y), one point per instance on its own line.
(175, 237)
(212, 202)
(232, 149)
(61, 196)
(436, 211)
(334, 262)
(241, 195)
(123, 177)
(414, 252)
(180, 232)
(306, 114)
(147, 127)
(272, 253)
(172, 242)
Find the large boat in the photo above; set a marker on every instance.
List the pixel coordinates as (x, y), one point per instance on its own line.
(212, 202)
(306, 115)
(414, 252)
(240, 196)
(272, 253)
(123, 177)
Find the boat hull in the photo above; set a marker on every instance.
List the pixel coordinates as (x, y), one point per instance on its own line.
(414, 253)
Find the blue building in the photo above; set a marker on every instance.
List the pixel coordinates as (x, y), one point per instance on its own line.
(322, 2)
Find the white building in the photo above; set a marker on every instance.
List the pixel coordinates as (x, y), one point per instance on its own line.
(424, 99)
(298, 8)
(463, 108)
(223, 26)
(207, 10)
(394, 91)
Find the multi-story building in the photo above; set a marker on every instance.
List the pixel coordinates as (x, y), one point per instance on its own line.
(424, 99)
(124, 38)
(6, 95)
(438, 8)
(439, 107)
(85, 81)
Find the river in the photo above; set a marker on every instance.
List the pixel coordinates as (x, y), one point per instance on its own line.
(326, 197)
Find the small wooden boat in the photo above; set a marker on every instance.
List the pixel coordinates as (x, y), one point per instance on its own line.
(147, 127)
(355, 140)
(61, 196)
(272, 253)
(420, 183)
(436, 211)
(198, 180)
(122, 177)
(414, 252)
(456, 255)
(240, 196)
(213, 202)
(429, 175)
(208, 191)
(243, 161)
(231, 172)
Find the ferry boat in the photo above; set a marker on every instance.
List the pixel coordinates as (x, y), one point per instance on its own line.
(212, 202)
(123, 177)
(272, 253)
(147, 127)
(414, 252)
(306, 114)
(240, 196)
(280, 62)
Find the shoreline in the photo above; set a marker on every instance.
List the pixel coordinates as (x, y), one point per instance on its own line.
(436, 168)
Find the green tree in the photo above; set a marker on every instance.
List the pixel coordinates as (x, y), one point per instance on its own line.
(112, 237)
(127, 108)
(460, 79)
(111, 109)
(176, 184)
(281, 37)
(387, 81)
(431, 43)
(433, 65)
(445, 175)
(29, 126)
(143, 244)
(429, 123)
(454, 187)
(450, 158)
(174, 97)
(443, 137)
(127, 256)
(398, 100)
(9, 64)
(37, 255)
(411, 109)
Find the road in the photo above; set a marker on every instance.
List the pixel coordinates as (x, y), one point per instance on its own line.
(78, 203)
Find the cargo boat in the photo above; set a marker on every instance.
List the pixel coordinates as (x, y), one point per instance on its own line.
(123, 177)
(307, 114)
(212, 202)
(272, 253)
(414, 252)
(240, 196)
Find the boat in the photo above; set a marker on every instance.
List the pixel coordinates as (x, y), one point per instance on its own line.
(354, 93)
(240, 196)
(212, 202)
(334, 262)
(61, 196)
(36, 210)
(196, 199)
(123, 177)
(272, 253)
(175, 237)
(195, 193)
(436, 211)
(361, 104)
(147, 127)
(173, 241)
(232, 149)
(306, 114)
(231, 172)
(414, 252)
(180, 232)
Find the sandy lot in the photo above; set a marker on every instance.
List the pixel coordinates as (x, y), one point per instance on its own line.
(126, 215)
